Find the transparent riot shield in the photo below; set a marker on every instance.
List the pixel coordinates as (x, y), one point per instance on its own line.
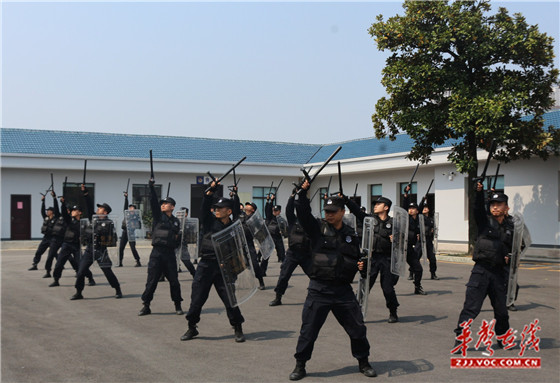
(86, 233)
(423, 237)
(350, 220)
(400, 241)
(436, 228)
(180, 215)
(188, 251)
(515, 258)
(261, 235)
(237, 270)
(283, 225)
(367, 247)
(133, 221)
(105, 250)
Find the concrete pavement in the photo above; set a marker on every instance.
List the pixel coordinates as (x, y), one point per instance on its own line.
(48, 338)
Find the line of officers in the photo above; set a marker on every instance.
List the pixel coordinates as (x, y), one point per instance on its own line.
(328, 251)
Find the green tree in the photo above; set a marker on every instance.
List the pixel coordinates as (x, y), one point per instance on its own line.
(458, 72)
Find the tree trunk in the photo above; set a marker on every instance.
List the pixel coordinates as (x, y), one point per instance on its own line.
(472, 174)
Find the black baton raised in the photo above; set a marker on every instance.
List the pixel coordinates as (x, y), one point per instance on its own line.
(85, 169)
(151, 165)
(225, 175)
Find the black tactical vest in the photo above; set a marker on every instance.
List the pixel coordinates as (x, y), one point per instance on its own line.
(165, 233)
(382, 231)
(47, 227)
(206, 245)
(494, 242)
(72, 233)
(298, 240)
(335, 255)
(59, 227)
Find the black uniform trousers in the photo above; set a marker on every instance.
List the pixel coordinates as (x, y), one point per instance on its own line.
(279, 246)
(43, 246)
(431, 255)
(162, 261)
(292, 260)
(322, 298)
(207, 274)
(54, 246)
(486, 282)
(381, 264)
(188, 264)
(86, 260)
(414, 263)
(68, 252)
(122, 245)
(186, 259)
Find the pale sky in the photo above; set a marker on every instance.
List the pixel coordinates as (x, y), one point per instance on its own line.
(295, 72)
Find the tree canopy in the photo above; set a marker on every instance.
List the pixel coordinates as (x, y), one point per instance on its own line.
(458, 72)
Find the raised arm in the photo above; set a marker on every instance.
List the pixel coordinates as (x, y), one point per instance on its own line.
(43, 214)
(290, 211)
(306, 219)
(480, 215)
(154, 203)
(89, 203)
(355, 209)
(55, 205)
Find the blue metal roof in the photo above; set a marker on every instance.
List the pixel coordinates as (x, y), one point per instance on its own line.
(373, 147)
(23, 141)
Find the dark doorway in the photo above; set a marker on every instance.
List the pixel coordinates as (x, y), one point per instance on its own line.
(20, 211)
(197, 192)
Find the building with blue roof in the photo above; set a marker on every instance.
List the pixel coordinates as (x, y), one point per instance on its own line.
(371, 168)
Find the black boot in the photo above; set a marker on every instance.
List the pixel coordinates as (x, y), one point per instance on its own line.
(239, 337)
(299, 372)
(261, 284)
(178, 308)
(33, 267)
(118, 292)
(277, 301)
(418, 290)
(138, 264)
(145, 310)
(77, 296)
(55, 283)
(434, 276)
(393, 317)
(191, 333)
(366, 369)
(91, 282)
(47, 274)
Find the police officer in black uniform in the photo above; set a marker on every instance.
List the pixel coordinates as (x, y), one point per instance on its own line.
(51, 240)
(491, 254)
(429, 225)
(335, 255)
(208, 272)
(70, 249)
(124, 235)
(272, 211)
(166, 237)
(249, 210)
(381, 252)
(104, 234)
(413, 242)
(298, 254)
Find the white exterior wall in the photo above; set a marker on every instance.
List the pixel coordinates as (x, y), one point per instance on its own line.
(31, 175)
(532, 186)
